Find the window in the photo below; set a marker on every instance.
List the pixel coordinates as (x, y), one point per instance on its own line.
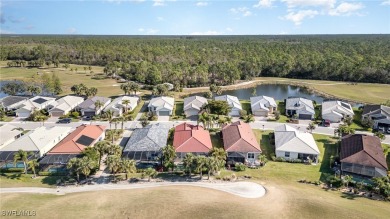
(251, 156)
(286, 154)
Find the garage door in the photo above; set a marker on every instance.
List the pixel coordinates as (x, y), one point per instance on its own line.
(56, 114)
(304, 116)
(261, 113)
(163, 113)
(23, 115)
(89, 113)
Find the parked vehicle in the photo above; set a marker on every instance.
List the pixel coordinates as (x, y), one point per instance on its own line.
(325, 123)
(388, 130)
(87, 118)
(66, 120)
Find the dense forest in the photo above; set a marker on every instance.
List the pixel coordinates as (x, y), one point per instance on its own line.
(189, 61)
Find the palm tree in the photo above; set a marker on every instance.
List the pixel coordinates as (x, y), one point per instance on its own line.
(114, 149)
(75, 165)
(32, 164)
(311, 127)
(98, 105)
(200, 162)
(87, 165)
(188, 162)
(22, 156)
(150, 173)
(202, 119)
(347, 179)
(212, 165)
(126, 103)
(125, 88)
(102, 148)
(110, 116)
(135, 87)
(122, 120)
(169, 156)
(113, 163)
(128, 166)
(228, 119)
(249, 118)
(263, 159)
(220, 154)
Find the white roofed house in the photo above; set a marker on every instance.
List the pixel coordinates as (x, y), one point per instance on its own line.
(292, 144)
(88, 107)
(335, 111)
(233, 102)
(64, 105)
(303, 108)
(35, 103)
(118, 106)
(39, 141)
(8, 134)
(263, 105)
(161, 106)
(193, 104)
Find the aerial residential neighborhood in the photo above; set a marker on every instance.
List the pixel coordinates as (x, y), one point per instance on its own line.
(195, 109)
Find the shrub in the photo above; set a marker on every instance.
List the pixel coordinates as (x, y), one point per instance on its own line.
(280, 159)
(75, 114)
(243, 113)
(334, 181)
(277, 115)
(12, 170)
(239, 167)
(46, 173)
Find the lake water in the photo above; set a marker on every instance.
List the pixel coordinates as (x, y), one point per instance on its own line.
(277, 91)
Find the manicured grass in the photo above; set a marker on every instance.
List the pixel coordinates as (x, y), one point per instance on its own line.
(216, 140)
(138, 108)
(106, 87)
(282, 109)
(7, 119)
(23, 180)
(357, 122)
(246, 105)
(179, 106)
(364, 92)
(281, 201)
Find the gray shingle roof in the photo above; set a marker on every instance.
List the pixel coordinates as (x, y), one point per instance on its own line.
(151, 138)
(10, 100)
(298, 103)
(90, 102)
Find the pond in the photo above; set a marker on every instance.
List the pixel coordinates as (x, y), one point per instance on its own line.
(277, 91)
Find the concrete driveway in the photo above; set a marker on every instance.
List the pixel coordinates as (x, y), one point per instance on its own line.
(163, 118)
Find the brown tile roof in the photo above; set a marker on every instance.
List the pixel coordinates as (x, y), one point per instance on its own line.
(364, 150)
(191, 138)
(239, 137)
(72, 144)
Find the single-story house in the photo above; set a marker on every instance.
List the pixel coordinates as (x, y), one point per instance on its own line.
(34, 103)
(191, 139)
(162, 106)
(335, 111)
(263, 105)
(293, 144)
(12, 102)
(8, 134)
(240, 143)
(363, 155)
(145, 144)
(88, 108)
(233, 102)
(39, 141)
(76, 142)
(301, 107)
(380, 114)
(193, 104)
(64, 105)
(118, 107)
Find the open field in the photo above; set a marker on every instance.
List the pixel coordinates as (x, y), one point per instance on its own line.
(361, 92)
(281, 201)
(106, 87)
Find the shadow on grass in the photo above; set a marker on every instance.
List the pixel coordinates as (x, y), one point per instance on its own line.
(178, 177)
(51, 180)
(349, 196)
(330, 148)
(266, 146)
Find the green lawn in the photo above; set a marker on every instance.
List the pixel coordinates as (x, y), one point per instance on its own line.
(282, 109)
(178, 111)
(138, 108)
(216, 140)
(356, 122)
(246, 105)
(7, 119)
(23, 180)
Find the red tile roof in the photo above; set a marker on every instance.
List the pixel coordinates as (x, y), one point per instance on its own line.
(69, 144)
(364, 150)
(191, 138)
(239, 137)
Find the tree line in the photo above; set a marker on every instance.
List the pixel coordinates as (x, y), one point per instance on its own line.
(200, 61)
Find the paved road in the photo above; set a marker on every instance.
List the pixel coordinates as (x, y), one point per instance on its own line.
(242, 189)
(136, 124)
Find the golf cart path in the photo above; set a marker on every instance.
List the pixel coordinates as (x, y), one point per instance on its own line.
(242, 189)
